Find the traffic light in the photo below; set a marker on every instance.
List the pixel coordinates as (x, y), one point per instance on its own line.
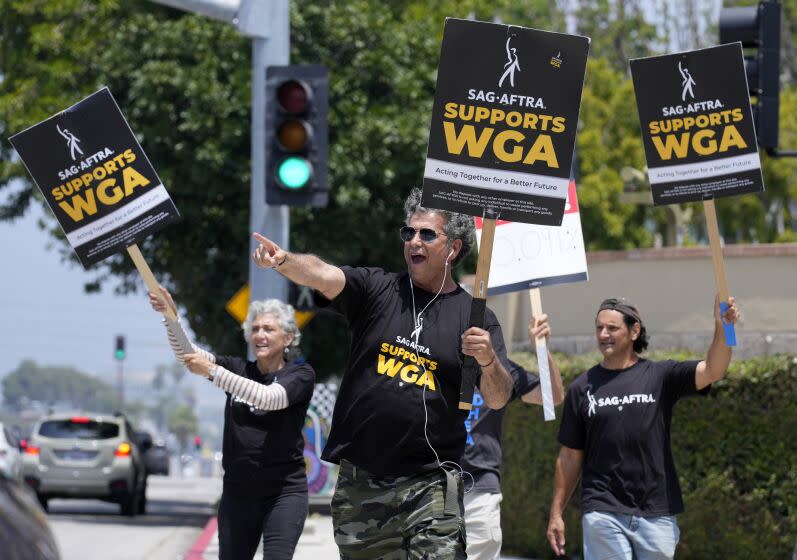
(197, 442)
(296, 135)
(758, 29)
(119, 354)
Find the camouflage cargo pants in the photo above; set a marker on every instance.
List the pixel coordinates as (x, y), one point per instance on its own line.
(398, 518)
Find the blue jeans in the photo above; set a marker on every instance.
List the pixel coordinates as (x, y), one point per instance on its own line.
(617, 536)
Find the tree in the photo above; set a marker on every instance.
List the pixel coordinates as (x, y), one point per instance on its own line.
(159, 380)
(177, 370)
(608, 141)
(183, 83)
(183, 422)
(619, 30)
(57, 385)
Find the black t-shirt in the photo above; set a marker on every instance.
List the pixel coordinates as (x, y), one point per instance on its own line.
(482, 457)
(621, 419)
(264, 450)
(378, 421)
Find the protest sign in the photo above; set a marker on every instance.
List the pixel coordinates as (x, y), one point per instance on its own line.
(527, 256)
(95, 177)
(100, 185)
(697, 125)
(698, 133)
(502, 134)
(504, 121)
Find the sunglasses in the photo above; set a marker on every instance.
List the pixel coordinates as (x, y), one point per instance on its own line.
(427, 235)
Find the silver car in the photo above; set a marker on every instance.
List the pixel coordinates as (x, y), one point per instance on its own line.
(10, 460)
(86, 456)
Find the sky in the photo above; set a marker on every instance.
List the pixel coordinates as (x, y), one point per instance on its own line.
(50, 319)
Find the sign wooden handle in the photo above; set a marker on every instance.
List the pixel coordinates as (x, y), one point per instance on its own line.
(470, 368)
(542, 359)
(149, 279)
(719, 268)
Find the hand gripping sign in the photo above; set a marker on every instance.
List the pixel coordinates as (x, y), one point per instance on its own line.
(697, 128)
(528, 256)
(99, 183)
(502, 134)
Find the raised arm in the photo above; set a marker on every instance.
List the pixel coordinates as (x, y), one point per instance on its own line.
(715, 366)
(539, 327)
(568, 471)
(203, 363)
(300, 268)
(159, 304)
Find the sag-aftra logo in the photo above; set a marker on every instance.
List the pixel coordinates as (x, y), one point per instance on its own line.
(618, 401)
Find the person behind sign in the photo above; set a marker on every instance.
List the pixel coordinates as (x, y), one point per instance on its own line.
(482, 457)
(265, 487)
(615, 434)
(396, 428)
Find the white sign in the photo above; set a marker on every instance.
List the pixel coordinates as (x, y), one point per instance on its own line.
(529, 256)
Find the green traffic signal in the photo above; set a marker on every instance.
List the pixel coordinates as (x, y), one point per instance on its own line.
(296, 103)
(119, 349)
(294, 172)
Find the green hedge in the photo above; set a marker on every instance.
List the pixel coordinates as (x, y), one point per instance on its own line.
(735, 451)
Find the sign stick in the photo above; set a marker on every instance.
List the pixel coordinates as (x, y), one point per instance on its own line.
(470, 367)
(149, 279)
(542, 358)
(719, 268)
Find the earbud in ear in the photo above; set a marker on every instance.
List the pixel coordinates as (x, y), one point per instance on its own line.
(451, 252)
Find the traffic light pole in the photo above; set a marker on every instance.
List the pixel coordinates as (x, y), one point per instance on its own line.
(271, 221)
(120, 378)
(268, 24)
(758, 28)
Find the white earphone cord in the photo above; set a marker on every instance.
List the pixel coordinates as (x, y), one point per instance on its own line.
(418, 327)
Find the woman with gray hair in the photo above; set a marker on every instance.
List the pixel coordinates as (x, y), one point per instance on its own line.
(265, 486)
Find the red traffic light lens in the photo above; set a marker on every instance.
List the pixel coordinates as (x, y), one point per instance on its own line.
(293, 96)
(293, 135)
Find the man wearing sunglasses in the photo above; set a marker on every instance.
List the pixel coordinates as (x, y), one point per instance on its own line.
(615, 435)
(396, 429)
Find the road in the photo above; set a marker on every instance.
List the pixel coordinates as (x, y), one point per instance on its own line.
(177, 511)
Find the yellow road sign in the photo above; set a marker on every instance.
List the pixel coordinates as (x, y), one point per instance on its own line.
(238, 306)
(303, 317)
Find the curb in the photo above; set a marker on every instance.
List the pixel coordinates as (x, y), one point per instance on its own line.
(197, 550)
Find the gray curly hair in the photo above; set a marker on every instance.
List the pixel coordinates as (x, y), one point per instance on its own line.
(458, 226)
(282, 312)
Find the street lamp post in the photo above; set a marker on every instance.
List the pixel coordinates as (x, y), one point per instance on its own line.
(268, 24)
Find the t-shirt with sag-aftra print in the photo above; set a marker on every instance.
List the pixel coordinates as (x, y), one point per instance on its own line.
(621, 420)
(379, 416)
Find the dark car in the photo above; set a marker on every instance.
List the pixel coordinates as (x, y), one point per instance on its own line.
(157, 459)
(156, 456)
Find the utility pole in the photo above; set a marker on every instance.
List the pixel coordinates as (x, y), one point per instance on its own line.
(120, 354)
(267, 22)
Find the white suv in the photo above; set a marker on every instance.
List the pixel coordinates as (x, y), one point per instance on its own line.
(86, 456)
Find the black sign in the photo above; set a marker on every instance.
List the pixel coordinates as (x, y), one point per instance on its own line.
(504, 121)
(95, 177)
(697, 125)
